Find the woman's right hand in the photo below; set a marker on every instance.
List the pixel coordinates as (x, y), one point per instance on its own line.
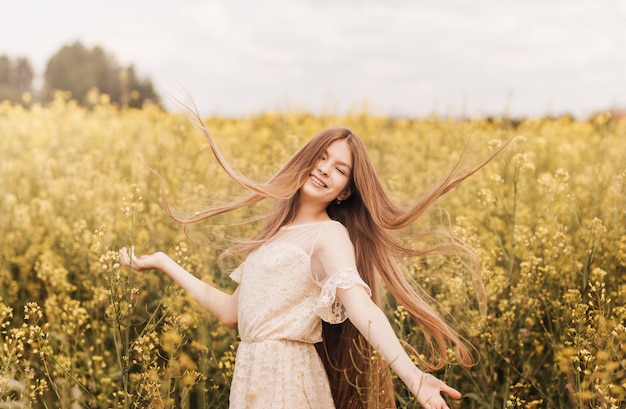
(429, 392)
(221, 305)
(142, 263)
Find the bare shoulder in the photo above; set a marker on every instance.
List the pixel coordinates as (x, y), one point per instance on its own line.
(334, 236)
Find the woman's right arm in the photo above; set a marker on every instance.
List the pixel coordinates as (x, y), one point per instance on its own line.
(221, 305)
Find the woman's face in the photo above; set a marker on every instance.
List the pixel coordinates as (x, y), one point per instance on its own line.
(331, 175)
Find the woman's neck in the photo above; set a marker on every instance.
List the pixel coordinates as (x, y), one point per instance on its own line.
(310, 214)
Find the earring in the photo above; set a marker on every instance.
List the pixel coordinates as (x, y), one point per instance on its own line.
(338, 201)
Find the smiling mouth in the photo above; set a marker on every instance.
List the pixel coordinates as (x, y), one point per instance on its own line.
(317, 181)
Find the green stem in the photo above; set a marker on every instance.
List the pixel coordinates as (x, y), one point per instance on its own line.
(513, 223)
(117, 334)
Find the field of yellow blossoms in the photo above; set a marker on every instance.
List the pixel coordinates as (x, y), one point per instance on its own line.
(547, 217)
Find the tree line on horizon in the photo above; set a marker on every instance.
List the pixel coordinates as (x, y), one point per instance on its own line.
(78, 70)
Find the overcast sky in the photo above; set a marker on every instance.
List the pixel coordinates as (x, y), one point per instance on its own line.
(402, 57)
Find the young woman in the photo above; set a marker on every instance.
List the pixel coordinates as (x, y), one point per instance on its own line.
(310, 278)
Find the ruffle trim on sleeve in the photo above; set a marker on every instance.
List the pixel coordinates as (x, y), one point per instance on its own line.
(328, 306)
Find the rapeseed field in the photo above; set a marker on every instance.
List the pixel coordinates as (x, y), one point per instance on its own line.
(547, 217)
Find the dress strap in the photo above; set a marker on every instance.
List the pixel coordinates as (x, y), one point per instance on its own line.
(317, 236)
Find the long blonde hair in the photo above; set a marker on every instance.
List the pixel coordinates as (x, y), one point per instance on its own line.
(370, 217)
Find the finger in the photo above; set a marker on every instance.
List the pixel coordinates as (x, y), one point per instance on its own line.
(125, 258)
(451, 392)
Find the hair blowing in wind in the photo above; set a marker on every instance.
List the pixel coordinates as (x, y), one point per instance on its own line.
(371, 219)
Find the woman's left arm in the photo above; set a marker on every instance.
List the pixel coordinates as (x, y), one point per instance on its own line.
(372, 323)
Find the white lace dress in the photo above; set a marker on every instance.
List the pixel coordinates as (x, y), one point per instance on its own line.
(286, 288)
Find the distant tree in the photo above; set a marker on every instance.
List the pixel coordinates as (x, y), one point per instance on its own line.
(78, 69)
(5, 69)
(135, 91)
(23, 75)
(16, 80)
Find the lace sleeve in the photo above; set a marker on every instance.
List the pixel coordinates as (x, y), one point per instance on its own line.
(328, 306)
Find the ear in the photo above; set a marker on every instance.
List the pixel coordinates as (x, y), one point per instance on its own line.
(345, 194)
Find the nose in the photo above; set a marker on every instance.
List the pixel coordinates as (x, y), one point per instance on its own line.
(322, 167)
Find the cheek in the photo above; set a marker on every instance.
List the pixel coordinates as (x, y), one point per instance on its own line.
(343, 184)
